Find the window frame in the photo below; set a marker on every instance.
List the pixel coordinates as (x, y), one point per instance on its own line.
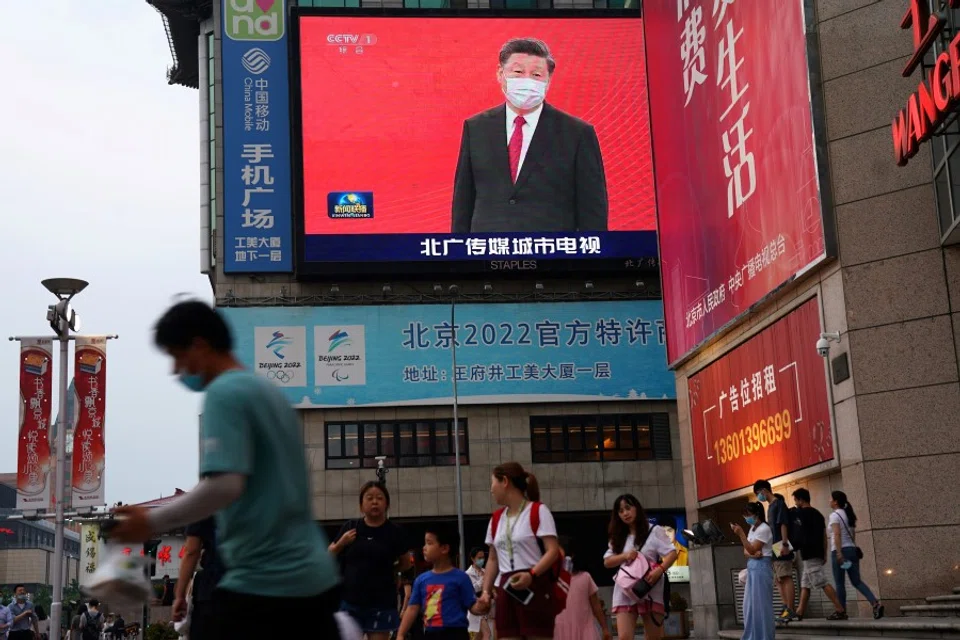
(427, 456)
(638, 427)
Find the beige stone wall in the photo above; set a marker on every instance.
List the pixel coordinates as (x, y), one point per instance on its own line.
(894, 295)
(496, 434)
(33, 566)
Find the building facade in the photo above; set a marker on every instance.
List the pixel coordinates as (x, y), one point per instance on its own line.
(586, 447)
(889, 289)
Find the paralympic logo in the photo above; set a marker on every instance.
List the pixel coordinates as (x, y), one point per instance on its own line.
(339, 338)
(278, 343)
(339, 375)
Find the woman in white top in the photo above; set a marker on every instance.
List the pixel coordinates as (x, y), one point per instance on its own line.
(630, 534)
(758, 623)
(846, 555)
(516, 556)
(478, 626)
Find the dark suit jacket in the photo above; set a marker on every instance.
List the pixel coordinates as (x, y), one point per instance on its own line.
(561, 186)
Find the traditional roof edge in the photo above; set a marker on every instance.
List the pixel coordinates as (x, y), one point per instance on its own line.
(181, 22)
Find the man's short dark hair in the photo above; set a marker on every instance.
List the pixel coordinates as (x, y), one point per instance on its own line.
(18, 586)
(802, 494)
(761, 485)
(186, 321)
(529, 46)
(94, 602)
(446, 536)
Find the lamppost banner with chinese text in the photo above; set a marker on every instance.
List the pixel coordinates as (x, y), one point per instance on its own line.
(761, 410)
(90, 386)
(543, 352)
(257, 234)
(738, 193)
(35, 463)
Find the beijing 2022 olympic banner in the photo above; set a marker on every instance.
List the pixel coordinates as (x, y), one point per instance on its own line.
(738, 194)
(474, 138)
(396, 355)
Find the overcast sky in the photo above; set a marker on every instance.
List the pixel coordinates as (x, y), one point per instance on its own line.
(99, 180)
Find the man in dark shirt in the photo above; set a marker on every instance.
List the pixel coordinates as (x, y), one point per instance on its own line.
(814, 553)
(779, 521)
(200, 548)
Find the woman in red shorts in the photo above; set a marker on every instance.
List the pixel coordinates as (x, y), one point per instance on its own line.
(523, 546)
(630, 534)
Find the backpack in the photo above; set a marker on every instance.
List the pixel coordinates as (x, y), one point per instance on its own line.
(90, 626)
(558, 572)
(795, 533)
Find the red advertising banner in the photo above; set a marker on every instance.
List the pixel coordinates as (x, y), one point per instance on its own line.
(90, 383)
(34, 461)
(762, 411)
(738, 196)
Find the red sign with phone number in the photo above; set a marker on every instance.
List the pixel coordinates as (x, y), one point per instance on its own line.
(762, 410)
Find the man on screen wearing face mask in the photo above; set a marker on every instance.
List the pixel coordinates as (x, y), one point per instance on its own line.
(526, 166)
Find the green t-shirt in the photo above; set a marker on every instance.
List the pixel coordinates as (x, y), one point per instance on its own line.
(268, 540)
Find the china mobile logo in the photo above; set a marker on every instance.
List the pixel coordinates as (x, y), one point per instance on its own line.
(277, 344)
(340, 338)
(256, 61)
(254, 19)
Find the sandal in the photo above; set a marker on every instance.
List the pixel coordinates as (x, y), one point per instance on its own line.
(877, 611)
(837, 615)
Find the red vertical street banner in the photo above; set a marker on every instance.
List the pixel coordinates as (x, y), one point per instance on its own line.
(761, 411)
(34, 461)
(90, 383)
(738, 194)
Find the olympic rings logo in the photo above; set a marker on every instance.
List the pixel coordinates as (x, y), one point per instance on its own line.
(281, 375)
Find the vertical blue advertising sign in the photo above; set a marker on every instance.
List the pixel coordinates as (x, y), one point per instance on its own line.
(257, 234)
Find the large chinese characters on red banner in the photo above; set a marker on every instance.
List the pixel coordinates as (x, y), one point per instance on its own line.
(761, 411)
(738, 195)
(90, 382)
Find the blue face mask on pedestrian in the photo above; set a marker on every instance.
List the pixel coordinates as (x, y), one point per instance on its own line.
(192, 381)
(750, 520)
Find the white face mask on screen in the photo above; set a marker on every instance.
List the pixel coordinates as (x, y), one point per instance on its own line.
(525, 93)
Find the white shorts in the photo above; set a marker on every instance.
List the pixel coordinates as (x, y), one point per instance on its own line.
(814, 576)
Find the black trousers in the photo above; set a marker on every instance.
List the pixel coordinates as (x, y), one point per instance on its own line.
(202, 621)
(239, 616)
(447, 634)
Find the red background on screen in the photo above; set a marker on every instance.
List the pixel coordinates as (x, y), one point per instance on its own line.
(389, 120)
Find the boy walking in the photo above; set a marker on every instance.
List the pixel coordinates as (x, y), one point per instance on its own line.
(779, 522)
(444, 595)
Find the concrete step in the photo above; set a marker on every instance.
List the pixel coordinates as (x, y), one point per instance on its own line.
(926, 628)
(944, 599)
(932, 610)
(956, 589)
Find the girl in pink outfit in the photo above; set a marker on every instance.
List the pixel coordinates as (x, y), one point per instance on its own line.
(579, 620)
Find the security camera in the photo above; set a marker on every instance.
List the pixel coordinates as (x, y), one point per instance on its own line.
(823, 344)
(823, 347)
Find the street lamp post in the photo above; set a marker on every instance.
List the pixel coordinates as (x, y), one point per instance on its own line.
(62, 319)
(454, 290)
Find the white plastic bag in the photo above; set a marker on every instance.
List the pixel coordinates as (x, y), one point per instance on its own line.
(742, 577)
(119, 578)
(349, 629)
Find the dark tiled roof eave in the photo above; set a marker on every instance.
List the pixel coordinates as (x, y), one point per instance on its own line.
(182, 20)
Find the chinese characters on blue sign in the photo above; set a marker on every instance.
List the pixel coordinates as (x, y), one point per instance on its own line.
(354, 356)
(256, 153)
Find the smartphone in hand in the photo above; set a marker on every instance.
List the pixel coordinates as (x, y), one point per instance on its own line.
(523, 596)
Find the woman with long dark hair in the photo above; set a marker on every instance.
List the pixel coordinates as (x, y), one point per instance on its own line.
(371, 550)
(630, 534)
(515, 557)
(758, 622)
(846, 555)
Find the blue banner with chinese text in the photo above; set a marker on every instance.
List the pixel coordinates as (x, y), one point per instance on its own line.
(257, 235)
(389, 355)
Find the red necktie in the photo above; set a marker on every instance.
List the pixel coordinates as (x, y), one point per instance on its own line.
(516, 144)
